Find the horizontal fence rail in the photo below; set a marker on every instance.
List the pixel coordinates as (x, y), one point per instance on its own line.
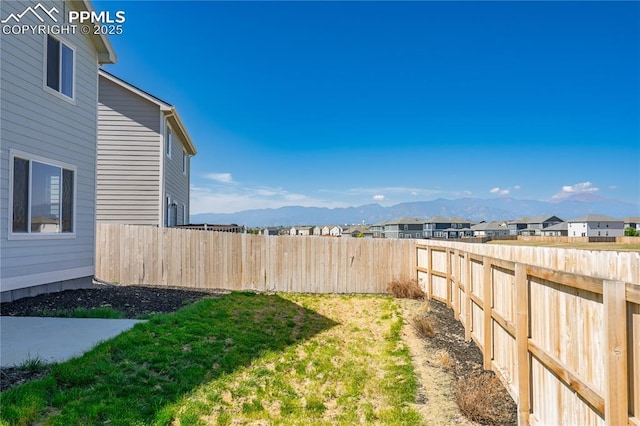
(565, 345)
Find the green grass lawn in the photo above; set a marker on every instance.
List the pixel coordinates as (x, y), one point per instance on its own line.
(244, 357)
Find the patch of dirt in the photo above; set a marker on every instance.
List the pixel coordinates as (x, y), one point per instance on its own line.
(132, 301)
(464, 358)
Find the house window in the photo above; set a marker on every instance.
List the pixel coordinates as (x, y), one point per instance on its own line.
(184, 162)
(60, 66)
(185, 220)
(43, 196)
(169, 142)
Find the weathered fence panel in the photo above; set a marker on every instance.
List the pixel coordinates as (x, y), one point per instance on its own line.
(149, 255)
(566, 345)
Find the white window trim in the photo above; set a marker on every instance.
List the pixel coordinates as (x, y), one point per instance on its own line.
(71, 100)
(184, 214)
(185, 160)
(40, 235)
(167, 211)
(169, 144)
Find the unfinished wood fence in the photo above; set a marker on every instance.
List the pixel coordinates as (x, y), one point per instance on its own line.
(130, 254)
(560, 327)
(565, 345)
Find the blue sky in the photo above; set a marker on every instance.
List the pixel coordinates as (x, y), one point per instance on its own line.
(335, 104)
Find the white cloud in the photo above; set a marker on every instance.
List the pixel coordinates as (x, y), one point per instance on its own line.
(500, 191)
(219, 177)
(516, 187)
(378, 197)
(578, 188)
(234, 198)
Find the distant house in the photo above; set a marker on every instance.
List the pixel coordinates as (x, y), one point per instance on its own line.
(335, 231)
(632, 222)
(489, 229)
(378, 230)
(48, 116)
(316, 230)
(304, 230)
(558, 230)
(595, 225)
(357, 231)
(144, 155)
(270, 231)
(535, 225)
(516, 226)
(404, 227)
(439, 227)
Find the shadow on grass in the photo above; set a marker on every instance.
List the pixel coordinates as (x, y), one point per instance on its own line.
(131, 378)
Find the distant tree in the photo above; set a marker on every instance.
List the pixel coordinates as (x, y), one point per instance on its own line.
(631, 232)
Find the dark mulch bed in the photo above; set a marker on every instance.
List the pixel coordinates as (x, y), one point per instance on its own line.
(467, 356)
(132, 301)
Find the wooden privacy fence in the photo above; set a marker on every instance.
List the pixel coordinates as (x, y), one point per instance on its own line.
(130, 254)
(565, 345)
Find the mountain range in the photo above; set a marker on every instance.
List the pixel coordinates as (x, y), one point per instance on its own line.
(474, 209)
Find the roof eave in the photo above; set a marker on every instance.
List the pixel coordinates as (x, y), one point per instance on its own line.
(106, 53)
(177, 125)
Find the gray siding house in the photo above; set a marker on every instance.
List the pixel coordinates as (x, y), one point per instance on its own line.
(48, 115)
(439, 227)
(144, 156)
(595, 225)
(404, 227)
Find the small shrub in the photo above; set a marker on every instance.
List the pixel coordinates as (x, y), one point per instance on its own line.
(443, 358)
(481, 397)
(423, 327)
(32, 364)
(406, 289)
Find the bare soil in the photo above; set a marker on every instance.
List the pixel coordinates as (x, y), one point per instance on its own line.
(435, 398)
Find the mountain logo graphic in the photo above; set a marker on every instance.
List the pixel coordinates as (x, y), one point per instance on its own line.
(34, 11)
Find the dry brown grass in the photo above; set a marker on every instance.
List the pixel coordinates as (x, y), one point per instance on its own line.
(423, 327)
(406, 289)
(480, 398)
(443, 358)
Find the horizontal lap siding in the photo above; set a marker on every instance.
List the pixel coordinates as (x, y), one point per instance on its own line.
(37, 122)
(128, 188)
(176, 183)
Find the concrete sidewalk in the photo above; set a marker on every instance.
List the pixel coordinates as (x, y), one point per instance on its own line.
(54, 339)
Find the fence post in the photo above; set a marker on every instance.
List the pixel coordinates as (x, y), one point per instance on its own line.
(448, 255)
(468, 304)
(523, 361)
(456, 286)
(486, 306)
(429, 271)
(615, 328)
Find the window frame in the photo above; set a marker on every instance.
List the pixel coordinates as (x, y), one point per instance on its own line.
(169, 144)
(11, 235)
(71, 99)
(184, 162)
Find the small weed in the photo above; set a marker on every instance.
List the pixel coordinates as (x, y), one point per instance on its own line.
(32, 365)
(405, 289)
(423, 326)
(443, 358)
(480, 398)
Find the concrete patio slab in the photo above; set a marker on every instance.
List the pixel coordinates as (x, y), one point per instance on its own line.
(54, 339)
